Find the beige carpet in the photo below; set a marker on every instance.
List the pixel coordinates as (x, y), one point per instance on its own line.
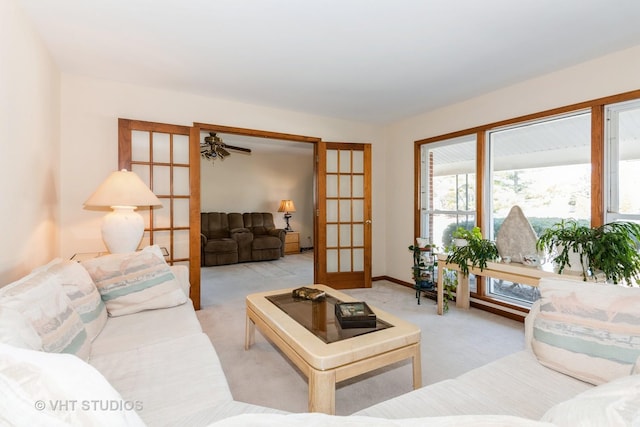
(451, 344)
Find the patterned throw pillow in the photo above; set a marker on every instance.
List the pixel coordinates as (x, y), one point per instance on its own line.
(587, 330)
(136, 281)
(45, 305)
(84, 295)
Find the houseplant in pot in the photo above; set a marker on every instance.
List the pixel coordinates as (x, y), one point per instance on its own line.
(477, 252)
(462, 236)
(610, 249)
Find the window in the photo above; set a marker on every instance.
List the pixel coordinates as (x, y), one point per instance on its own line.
(544, 167)
(622, 134)
(448, 188)
(542, 163)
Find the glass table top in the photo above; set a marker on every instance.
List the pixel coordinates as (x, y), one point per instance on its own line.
(319, 317)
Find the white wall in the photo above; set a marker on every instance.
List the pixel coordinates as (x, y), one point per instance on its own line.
(609, 75)
(257, 182)
(45, 118)
(89, 138)
(29, 147)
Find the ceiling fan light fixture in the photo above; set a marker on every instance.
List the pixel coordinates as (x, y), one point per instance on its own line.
(213, 147)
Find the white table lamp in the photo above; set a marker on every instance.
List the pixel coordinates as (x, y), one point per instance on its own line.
(123, 191)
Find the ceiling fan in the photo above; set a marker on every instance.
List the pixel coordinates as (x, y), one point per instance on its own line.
(213, 147)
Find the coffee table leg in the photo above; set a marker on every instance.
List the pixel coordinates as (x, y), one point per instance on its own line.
(322, 391)
(417, 368)
(249, 333)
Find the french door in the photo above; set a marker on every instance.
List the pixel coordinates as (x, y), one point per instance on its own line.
(160, 155)
(343, 215)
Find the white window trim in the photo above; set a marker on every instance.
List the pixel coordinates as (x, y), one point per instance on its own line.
(611, 165)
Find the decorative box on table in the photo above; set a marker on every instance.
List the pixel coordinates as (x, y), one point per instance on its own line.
(355, 315)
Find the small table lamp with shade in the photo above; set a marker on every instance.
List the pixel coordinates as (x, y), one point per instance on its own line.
(287, 207)
(123, 191)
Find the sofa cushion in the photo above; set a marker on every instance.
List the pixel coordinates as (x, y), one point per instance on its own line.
(172, 378)
(266, 242)
(17, 331)
(486, 390)
(43, 389)
(42, 301)
(145, 328)
(225, 245)
(217, 412)
(616, 403)
(316, 419)
(83, 294)
(136, 281)
(587, 330)
(214, 225)
(258, 222)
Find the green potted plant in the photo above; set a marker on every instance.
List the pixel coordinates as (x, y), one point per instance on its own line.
(462, 236)
(476, 253)
(610, 249)
(449, 285)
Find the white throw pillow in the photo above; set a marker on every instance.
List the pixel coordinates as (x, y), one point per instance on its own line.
(586, 330)
(83, 294)
(136, 281)
(49, 389)
(45, 305)
(15, 330)
(613, 404)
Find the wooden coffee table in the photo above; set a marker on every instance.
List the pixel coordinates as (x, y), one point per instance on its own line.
(326, 363)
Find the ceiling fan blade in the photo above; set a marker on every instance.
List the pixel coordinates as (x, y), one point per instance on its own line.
(232, 147)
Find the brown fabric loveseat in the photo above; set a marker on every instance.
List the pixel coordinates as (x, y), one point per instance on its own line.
(229, 238)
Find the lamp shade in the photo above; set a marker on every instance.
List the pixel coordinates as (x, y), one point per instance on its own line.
(287, 206)
(123, 188)
(123, 191)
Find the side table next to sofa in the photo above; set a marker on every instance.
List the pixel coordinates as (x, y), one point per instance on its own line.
(292, 242)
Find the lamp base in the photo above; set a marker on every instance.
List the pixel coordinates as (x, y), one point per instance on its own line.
(122, 229)
(288, 228)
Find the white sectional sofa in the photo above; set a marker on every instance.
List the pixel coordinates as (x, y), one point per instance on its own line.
(160, 368)
(149, 363)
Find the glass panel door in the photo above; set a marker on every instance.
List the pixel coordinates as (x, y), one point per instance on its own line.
(344, 215)
(160, 155)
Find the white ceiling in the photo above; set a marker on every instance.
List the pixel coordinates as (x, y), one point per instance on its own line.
(370, 60)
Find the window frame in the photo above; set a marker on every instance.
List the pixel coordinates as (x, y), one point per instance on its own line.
(424, 182)
(598, 177)
(611, 161)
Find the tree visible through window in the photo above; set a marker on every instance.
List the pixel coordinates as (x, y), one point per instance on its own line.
(448, 190)
(543, 167)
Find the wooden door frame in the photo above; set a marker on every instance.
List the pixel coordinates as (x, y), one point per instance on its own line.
(125, 128)
(194, 143)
